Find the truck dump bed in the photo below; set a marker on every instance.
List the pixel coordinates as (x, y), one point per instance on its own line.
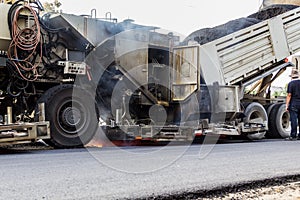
(246, 54)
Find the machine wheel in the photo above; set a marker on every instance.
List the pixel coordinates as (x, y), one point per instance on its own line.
(279, 122)
(255, 113)
(73, 118)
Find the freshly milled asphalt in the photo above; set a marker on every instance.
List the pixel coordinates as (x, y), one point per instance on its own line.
(140, 172)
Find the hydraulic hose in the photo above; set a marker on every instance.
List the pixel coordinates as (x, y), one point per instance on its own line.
(26, 42)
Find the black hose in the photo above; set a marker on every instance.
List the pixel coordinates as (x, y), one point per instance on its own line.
(42, 21)
(12, 71)
(9, 91)
(39, 5)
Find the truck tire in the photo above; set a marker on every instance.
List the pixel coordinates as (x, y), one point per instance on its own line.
(279, 122)
(268, 109)
(73, 118)
(255, 113)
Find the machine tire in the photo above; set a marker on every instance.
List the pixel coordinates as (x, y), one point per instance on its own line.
(69, 130)
(255, 112)
(279, 122)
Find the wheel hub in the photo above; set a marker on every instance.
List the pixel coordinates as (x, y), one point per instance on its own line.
(71, 116)
(286, 121)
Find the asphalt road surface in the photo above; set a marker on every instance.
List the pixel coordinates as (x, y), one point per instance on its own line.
(141, 172)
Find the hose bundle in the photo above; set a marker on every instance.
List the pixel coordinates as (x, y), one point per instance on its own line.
(26, 44)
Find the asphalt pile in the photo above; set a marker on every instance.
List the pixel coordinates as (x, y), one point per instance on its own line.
(205, 35)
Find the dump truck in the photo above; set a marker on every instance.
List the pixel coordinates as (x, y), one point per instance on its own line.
(66, 77)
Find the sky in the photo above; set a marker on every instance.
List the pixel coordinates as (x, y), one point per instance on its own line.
(184, 16)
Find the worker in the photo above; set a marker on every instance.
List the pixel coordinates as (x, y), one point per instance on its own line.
(293, 103)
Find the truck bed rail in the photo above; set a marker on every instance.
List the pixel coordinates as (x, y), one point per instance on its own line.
(247, 53)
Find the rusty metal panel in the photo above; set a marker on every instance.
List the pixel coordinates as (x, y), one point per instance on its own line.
(185, 72)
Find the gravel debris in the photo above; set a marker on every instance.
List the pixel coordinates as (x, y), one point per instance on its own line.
(19, 148)
(286, 188)
(288, 191)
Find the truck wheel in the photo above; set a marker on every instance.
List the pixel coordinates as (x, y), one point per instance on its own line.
(268, 109)
(73, 118)
(255, 113)
(279, 122)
